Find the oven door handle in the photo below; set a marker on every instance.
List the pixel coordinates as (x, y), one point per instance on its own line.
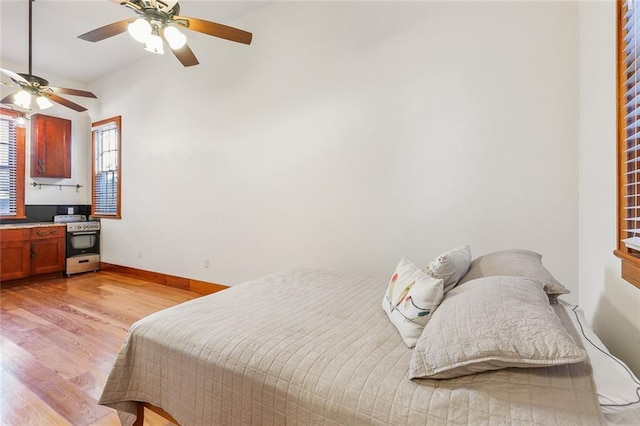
(84, 233)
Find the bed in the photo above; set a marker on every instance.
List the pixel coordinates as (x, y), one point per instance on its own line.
(313, 347)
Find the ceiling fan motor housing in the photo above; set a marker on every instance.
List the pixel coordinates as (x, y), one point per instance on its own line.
(158, 8)
(33, 80)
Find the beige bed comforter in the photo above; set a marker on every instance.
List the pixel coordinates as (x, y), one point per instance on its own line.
(314, 347)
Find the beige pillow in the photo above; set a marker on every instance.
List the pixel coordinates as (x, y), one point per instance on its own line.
(516, 263)
(450, 266)
(500, 322)
(410, 300)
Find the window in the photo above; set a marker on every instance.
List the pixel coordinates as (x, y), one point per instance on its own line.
(629, 139)
(106, 182)
(12, 174)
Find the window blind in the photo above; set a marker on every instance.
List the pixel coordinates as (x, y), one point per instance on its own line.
(105, 168)
(631, 138)
(8, 166)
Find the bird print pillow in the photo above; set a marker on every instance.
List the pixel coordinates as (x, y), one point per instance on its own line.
(410, 299)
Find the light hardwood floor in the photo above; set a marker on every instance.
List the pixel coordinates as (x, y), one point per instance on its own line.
(58, 340)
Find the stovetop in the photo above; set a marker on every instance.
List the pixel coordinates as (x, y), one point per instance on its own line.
(69, 218)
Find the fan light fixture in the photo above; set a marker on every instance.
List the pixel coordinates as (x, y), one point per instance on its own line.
(140, 30)
(153, 43)
(43, 102)
(22, 99)
(20, 121)
(149, 34)
(174, 37)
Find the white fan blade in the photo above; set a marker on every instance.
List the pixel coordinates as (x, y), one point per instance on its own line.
(13, 75)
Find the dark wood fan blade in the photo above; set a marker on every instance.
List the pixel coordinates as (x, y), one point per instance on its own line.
(107, 31)
(8, 99)
(66, 102)
(216, 30)
(74, 92)
(13, 75)
(186, 56)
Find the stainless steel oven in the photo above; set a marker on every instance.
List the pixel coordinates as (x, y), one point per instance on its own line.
(83, 244)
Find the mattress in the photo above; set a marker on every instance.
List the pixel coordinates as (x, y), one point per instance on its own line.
(314, 347)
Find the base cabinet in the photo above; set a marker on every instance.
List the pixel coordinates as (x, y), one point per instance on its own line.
(47, 256)
(31, 251)
(15, 261)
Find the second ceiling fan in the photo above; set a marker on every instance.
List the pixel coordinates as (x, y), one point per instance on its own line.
(158, 22)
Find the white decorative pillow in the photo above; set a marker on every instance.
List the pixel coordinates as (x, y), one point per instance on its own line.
(492, 323)
(450, 266)
(618, 388)
(516, 263)
(410, 300)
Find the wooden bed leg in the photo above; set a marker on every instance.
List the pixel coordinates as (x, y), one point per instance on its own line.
(140, 406)
(140, 414)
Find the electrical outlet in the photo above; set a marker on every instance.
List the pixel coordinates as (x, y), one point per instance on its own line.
(206, 263)
(69, 210)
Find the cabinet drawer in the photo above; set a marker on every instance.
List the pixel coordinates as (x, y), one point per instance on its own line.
(7, 235)
(40, 233)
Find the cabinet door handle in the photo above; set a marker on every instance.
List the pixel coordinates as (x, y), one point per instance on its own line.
(33, 252)
(41, 168)
(43, 233)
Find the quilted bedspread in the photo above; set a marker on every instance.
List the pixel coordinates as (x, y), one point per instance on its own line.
(314, 347)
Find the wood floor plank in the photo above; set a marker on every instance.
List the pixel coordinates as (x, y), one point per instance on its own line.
(68, 401)
(59, 338)
(23, 407)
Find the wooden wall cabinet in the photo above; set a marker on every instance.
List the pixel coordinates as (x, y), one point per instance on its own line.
(50, 146)
(31, 251)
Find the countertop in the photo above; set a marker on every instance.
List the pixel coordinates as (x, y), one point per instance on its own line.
(30, 225)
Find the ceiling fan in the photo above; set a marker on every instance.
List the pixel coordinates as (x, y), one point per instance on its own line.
(158, 21)
(31, 86)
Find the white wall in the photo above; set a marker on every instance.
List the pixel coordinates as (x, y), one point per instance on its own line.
(612, 304)
(80, 147)
(350, 134)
